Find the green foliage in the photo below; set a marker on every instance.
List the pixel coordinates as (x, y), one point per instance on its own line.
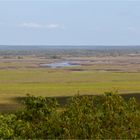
(83, 117)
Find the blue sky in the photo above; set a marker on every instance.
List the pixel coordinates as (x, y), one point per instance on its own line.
(75, 22)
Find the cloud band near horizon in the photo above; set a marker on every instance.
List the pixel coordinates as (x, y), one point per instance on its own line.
(38, 25)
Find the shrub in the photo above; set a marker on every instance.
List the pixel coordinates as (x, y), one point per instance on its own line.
(83, 117)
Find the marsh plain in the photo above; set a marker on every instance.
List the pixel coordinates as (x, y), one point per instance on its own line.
(94, 72)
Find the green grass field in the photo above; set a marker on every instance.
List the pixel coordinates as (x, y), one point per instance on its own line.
(62, 82)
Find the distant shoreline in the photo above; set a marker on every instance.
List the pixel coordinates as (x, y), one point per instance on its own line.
(83, 47)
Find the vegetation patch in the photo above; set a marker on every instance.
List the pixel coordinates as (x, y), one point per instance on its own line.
(83, 117)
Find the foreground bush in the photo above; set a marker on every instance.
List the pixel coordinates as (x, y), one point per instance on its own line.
(83, 117)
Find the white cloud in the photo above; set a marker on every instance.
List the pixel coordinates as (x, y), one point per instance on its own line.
(31, 25)
(51, 26)
(37, 25)
(131, 29)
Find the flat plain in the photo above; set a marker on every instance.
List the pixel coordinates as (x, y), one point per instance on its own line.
(22, 74)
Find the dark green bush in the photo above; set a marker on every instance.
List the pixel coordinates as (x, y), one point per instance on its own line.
(84, 117)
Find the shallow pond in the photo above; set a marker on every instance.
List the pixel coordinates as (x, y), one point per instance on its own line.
(59, 64)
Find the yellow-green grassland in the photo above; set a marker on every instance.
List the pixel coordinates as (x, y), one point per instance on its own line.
(94, 75)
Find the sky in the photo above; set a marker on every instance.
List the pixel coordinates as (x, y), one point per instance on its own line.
(69, 22)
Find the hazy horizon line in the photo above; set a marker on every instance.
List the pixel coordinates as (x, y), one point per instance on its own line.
(59, 45)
